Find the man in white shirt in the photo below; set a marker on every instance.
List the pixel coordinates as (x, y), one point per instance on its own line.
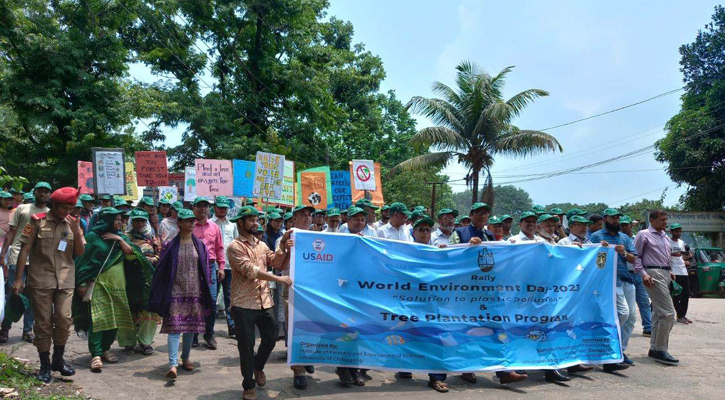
(678, 267)
(578, 226)
(384, 217)
(229, 233)
(333, 220)
(395, 229)
(527, 226)
(446, 226)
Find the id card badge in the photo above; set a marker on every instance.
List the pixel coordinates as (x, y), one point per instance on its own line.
(272, 285)
(62, 245)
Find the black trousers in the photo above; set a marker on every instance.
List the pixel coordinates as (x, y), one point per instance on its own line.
(682, 301)
(244, 322)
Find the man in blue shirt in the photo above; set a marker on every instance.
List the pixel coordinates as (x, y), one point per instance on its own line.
(477, 229)
(626, 292)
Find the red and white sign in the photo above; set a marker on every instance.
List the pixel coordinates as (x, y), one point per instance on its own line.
(363, 172)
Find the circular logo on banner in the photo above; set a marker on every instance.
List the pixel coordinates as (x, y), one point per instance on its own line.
(363, 173)
(314, 198)
(318, 245)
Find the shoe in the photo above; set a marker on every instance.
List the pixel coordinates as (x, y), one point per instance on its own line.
(260, 377)
(365, 375)
(210, 342)
(555, 375)
(345, 376)
(187, 365)
(579, 368)
(405, 375)
(627, 360)
(689, 321)
(250, 394)
(512, 376)
(44, 372)
(683, 321)
(232, 333)
(300, 382)
(614, 367)
(4, 333)
(663, 357)
(195, 342)
(171, 375)
(357, 377)
(470, 377)
(28, 337)
(310, 369)
(59, 364)
(647, 333)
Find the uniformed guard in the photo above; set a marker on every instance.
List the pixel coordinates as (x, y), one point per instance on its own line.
(51, 240)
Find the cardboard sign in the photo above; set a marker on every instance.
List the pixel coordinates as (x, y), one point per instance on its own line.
(109, 171)
(243, 178)
(189, 183)
(341, 193)
(314, 187)
(288, 186)
(214, 178)
(132, 192)
(177, 179)
(268, 175)
(170, 193)
(376, 196)
(85, 176)
(151, 168)
(363, 172)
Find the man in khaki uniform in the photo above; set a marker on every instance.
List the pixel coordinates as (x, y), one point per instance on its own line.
(51, 240)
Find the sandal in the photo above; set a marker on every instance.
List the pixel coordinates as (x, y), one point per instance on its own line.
(171, 374)
(109, 357)
(147, 350)
(438, 386)
(129, 350)
(187, 365)
(96, 364)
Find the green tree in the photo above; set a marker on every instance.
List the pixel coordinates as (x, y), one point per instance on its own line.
(473, 125)
(694, 147)
(410, 188)
(509, 200)
(591, 208)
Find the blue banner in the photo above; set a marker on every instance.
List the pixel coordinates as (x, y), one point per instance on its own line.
(341, 193)
(375, 303)
(243, 178)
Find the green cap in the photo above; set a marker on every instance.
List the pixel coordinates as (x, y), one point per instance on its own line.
(362, 203)
(556, 211)
(352, 211)
(16, 191)
(178, 206)
(186, 214)
(165, 201)
(343, 211)
(105, 197)
(287, 216)
(424, 220)
(333, 212)
(200, 199)
(419, 208)
(385, 207)
(675, 226)
(527, 214)
(85, 197)
(303, 207)
(29, 196)
(575, 211)
(478, 205)
(245, 211)
(118, 200)
(221, 201)
(16, 306)
(110, 211)
(146, 200)
(546, 217)
(461, 218)
(320, 211)
(505, 217)
(44, 185)
(447, 211)
(579, 219)
(538, 209)
(417, 214)
(399, 207)
(611, 212)
(6, 195)
(495, 221)
(260, 229)
(274, 215)
(78, 204)
(138, 213)
(625, 219)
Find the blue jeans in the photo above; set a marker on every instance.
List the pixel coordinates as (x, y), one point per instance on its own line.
(227, 293)
(28, 319)
(626, 312)
(214, 288)
(173, 342)
(645, 310)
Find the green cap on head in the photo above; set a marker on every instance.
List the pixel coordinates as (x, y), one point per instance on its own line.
(575, 211)
(495, 221)
(28, 196)
(527, 214)
(320, 211)
(199, 200)
(478, 205)
(538, 209)
(385, 207)
(343, 211)
(287, 216)
(105, 197)
(353, 211)
(625, 219)
(260, 229)
(579, 219)
(42, 185)
(79, 204)
(16, 191)
(165, 201)
(221, 201)
(333, 212)
(185, 214)
(178, 206)
(110, 211)
(399, 207)
(417, 214)
(138, 213)
(362, 203)
(419, 208)
(147, 201)
(611, 212)
(556, 211)
(547, 217)
(6, 195)
(505, 217)
(447, 211)
(424, 220)
(246, 211)
(461, 218)
(274, 215)
(675, 226)
(303, 207)
(120, 201)
(85, 197)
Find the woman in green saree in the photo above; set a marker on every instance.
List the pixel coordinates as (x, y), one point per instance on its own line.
(112, 277)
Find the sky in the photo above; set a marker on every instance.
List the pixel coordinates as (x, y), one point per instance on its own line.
(591, 57)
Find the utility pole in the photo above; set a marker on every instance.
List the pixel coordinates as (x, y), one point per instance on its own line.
(433, 200)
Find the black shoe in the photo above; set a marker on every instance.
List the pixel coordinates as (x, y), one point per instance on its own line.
(232, 331)
(195, 342)
(345, 376)
(210, 342)
(59, 365)
(647, 333)
(310, 369)
(405, 375)
(627, 360)
(4, 333)
(663, 357)
(44, 372)
(300, 382)
(579, 368)
(554, 375)
(614, 367)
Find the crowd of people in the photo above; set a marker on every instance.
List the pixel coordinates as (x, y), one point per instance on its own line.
(117, 271)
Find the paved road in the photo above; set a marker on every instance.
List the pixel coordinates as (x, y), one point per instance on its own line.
(701, 375)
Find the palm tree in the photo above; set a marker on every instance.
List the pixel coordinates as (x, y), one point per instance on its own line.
(474, 126)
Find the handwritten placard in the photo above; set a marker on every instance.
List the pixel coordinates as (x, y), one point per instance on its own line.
(189, 183)
(214, 178)
(151, 169)
(132, 192)
(288, 186)
(85, 176)
(109, 171)
(169, 193)
(268, 175)
(341, 193)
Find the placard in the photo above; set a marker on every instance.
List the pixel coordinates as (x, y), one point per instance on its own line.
(132, 192)
(109, 171)
(214, 178)
(177, 179)
(314, 188)
(85, 176)
(189, 183)
(341, 193)
(363, 172)
(376, 196)
(151, 169)
(243, 178)
(288, 186)
(268, 175)
(170, 193)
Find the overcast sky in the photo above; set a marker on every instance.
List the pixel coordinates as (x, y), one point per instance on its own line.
(591, 56)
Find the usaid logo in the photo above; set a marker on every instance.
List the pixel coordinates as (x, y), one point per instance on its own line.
(318, 245)
(318, 256)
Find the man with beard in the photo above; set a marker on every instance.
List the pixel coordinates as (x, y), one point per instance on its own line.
(318, 220)
(333, 220)
(446, 226)
(369, 208)
(626, 299)
(506, 223)
(645, 310)
(384, 217)
(547, 227)
(560, 234)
